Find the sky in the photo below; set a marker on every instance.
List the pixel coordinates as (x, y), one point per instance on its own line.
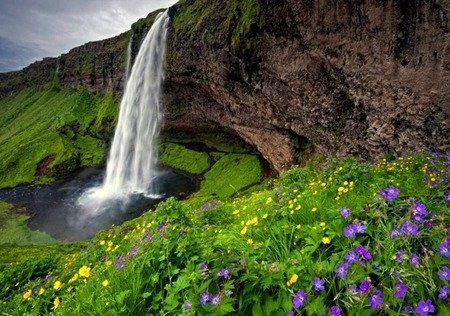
(33, 29)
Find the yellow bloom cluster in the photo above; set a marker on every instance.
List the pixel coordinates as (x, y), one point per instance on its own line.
(84, 271)
(292, 280)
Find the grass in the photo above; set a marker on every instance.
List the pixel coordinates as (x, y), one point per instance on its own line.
(36, 124)
(14, 229)
(230, 174)
(179, 157)
(253, 254)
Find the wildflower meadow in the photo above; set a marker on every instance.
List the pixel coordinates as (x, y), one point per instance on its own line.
(337, 236)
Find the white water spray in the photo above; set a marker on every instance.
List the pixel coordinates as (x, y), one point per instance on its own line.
(131, 165)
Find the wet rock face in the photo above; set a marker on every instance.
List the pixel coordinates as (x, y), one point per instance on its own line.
(366, 77)
(363, 77)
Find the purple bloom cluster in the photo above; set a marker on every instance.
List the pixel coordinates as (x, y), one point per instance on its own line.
(342, 270)
(443, 292)
(389, 193)
(351, 230)
(444, 249)
(345, 212)
(365, 286)
(375, 299)
(424, 308)
(400, 289)
(318, 284)
(408, 229)
(224, 272)
(444, 274)
(335, 311)
(299, 299)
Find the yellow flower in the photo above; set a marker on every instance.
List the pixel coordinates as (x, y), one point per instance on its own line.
(74, 278)
(326, 240)
(84, 271)
(27, 294)
(322, 224)
(265, 216)
(57, 285)
(337, 198)
(110, 243)
(269, 200)
(293, 279)
(244, 230)
(298, 207)
(298, 226)
(41, 291)
(102, 243)
(105, 283)
(314, 209)
(56, 303)
(340, 189)
(250, 241)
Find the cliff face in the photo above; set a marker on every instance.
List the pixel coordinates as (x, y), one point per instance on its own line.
(364, 77)
(361, 77)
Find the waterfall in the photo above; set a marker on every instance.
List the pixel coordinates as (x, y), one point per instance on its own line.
(130, 167)
(127, 70)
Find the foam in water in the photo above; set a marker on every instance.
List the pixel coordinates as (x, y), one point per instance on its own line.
(130, 167)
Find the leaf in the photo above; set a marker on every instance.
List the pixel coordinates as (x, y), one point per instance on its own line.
(146, 294)
(121, 296)
(256, 309)
(181, 283)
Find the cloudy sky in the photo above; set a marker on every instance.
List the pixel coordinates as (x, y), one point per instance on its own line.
(33, 29)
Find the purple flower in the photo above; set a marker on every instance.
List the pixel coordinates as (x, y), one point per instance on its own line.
(407, 309)
(417, 218)
(414, 259)
(396, 232)
(351, 257)
(444, 274)
(120, 266)
(215, 300)
(290, 313)
(133, 249)
(399, 255)
(345, 212)
(375, 267)
(363, 252)
(360, 228)
(375, 299)
(447, 198)
(335, 311)
(444, 291)
(203, 266)
(318, 284)
(224, 272)
(364, 287)
(187, 305)
(444, 250)
(350, 231)
(342, 270)
(353, 288)
(378, 245)
(409, 228)
(420, 209)
(389, 193)
(424, 308)
(400, 289)
(204, 297)
(299, 299)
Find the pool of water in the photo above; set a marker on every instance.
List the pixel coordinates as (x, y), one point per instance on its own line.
(55, 208)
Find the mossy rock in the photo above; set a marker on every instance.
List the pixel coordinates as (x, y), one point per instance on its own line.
(179, 157)
(230, 174)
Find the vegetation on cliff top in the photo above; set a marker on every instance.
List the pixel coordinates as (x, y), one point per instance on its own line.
(340, 236)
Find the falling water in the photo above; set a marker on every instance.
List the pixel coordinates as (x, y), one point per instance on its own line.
(130, 168)
(127, 70)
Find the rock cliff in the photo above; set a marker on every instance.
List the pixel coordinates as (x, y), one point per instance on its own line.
(364, 77)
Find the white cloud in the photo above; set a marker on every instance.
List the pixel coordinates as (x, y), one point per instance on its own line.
(52, 27)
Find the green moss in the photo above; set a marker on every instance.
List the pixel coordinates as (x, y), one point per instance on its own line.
(179, 157)
(14, 229)
(230, 174)
(244, 13)
(69, 124)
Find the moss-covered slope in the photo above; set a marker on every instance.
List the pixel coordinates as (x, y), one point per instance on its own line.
(49, 132)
